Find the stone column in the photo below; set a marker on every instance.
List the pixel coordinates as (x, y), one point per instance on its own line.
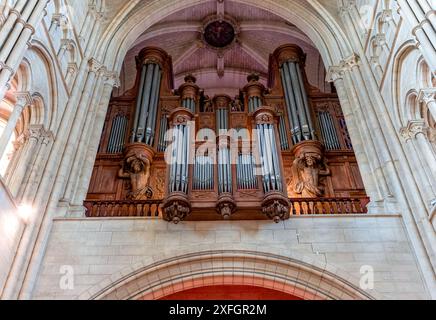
(427, 185)
(423, 29)
(23, 99)
(418, 130)
(16, 42)
(30, 182)
(79, 160)
(110, 80)
(427, 96)
(371, 124)
(337, 75)
(31, 140)
(14, 15)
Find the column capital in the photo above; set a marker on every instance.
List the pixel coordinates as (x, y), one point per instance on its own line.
(112, 79)
(427, 95)
(414, 128)
(94, 65)
(335, 73)
(23, 99)
(347, 6)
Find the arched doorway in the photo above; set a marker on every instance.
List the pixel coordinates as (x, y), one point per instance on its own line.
(228, 293)
(194, 274)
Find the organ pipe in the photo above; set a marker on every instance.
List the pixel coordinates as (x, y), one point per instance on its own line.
(291, 60)
(147, 104)
(117, 135)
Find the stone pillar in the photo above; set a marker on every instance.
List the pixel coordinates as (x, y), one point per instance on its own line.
(337, 75)
(30, 182)
(110, 80)
(16, 42)
(291, 60)
(177, 206)
(23, 158)
(423, 22)
(371, 124)
(427, 96)
(419, 131)
(275, 204)
(23, 100)
(79, 161)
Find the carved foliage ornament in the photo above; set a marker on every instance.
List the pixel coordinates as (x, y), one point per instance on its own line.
(176, 211)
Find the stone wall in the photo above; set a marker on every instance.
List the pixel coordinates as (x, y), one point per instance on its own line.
(97, 249)
(11, 228)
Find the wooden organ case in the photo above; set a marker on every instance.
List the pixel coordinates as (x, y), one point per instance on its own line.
(267, 153)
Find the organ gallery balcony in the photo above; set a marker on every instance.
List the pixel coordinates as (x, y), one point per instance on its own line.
(298, 207)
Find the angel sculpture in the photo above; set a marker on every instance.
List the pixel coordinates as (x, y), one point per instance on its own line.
(138, 171)
(237, 105)
(306, 172)
(208, 105)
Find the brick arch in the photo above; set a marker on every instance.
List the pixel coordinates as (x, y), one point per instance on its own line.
(166, 275)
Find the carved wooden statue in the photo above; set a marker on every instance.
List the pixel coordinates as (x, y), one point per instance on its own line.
(306, 171)
(237, 105)
(208, 105)
(137, 169)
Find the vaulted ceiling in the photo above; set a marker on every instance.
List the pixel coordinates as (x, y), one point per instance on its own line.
(260, 33)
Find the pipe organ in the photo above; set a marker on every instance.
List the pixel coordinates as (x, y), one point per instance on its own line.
(276, 149)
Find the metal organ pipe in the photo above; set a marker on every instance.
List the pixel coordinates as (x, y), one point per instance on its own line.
(138, 102)
(154, 102)
(117, 135)
(145, 103)
(269, 154)
(294, 119)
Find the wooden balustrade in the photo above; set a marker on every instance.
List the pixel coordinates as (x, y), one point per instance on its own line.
(146, 208)
(325, 206)
(299, 206)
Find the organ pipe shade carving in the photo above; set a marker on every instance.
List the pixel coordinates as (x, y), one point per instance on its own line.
(147, 104)
(117, 135)
(297, 102)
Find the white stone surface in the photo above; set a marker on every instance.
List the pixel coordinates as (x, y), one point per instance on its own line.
(98, 249)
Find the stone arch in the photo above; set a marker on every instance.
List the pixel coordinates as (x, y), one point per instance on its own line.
(400, 97)
(319, 26)
(178, 271)
(44, 85)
